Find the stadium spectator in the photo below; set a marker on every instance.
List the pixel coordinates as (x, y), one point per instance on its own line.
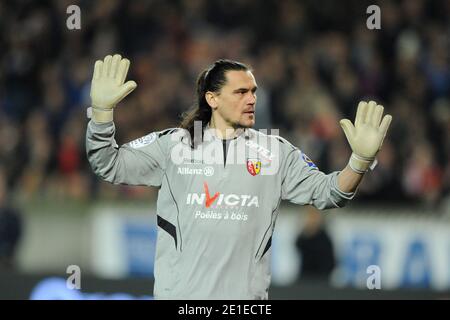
(315, 248)
(10, 227)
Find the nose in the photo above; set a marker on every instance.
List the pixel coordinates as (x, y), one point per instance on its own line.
(252, 99)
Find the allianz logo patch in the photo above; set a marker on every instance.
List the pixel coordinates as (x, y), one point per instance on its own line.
(206, 171)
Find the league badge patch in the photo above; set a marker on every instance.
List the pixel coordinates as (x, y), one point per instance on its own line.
(308, 161)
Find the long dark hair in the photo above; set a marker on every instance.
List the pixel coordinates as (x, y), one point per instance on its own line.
(211, 79)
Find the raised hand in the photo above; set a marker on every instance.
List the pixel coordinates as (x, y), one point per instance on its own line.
(108, 86)
(367, 135)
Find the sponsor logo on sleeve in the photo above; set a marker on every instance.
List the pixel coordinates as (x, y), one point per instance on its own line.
(143, 141)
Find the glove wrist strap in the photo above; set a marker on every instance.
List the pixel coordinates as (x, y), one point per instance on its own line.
(361, 164)
(101, 115)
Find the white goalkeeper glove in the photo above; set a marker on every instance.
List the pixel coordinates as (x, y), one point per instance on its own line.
(108, 87)
(367, 135)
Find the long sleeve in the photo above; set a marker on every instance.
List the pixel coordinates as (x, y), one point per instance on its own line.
(140, 162)
(304, 184)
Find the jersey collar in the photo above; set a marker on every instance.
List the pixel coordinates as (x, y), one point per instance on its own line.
(211, 133)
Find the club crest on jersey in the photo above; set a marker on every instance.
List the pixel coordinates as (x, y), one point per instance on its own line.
(253, 166)
(308, 161)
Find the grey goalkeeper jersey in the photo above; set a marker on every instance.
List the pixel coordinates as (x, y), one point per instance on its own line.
(215, 214)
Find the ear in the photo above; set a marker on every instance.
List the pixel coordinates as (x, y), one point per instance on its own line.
(211, 100)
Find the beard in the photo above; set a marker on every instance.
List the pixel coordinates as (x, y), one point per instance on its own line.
(247, 122)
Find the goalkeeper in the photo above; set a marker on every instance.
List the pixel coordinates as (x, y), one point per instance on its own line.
(220, 181)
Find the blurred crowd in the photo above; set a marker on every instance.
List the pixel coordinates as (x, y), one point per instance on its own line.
(313, 62)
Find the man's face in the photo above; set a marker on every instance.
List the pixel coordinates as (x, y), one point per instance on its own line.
(236, 101)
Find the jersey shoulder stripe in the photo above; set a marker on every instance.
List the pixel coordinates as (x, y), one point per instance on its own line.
(167, 131)
(281, 140)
